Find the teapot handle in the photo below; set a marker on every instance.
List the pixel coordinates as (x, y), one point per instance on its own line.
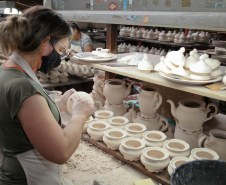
(208, 110)
(163, 124)
(157, 97)
(99, 49)
(201, 140)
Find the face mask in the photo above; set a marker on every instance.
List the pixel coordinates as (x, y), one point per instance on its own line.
(50, 62)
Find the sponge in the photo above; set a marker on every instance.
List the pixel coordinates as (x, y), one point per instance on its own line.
(143, 182)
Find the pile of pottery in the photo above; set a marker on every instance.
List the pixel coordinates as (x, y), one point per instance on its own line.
(149, 101)
(192, 38)
(170, 36)
(115, 91)
(195, 68)
(97, 91)
(52, 77)
(201, 37)
(190, 116)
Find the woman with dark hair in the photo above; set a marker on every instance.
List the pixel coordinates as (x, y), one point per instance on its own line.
(33, 144)
(80, 42)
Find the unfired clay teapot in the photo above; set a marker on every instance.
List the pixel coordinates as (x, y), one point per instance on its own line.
(115, 91)
(192, 113)
(216, 141)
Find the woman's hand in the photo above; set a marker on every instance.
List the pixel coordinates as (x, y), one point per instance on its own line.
(62, 102)
(82, 107)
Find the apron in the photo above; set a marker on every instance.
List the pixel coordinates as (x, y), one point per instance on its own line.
(76, 48)
(38, 170)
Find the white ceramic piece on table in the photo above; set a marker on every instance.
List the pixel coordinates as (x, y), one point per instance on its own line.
(84, 130)
(216, 141)
(118, 122)
(146, 50)
(55, 81)
(97, 51)
(44, 76)
(141, 48)
(158, 51)
(162, 53)
(190, 137)
(201, 67)
(157, 33)
(191, 60)
(145, 34)
(176, 38)
(64, 80)
(115, 91)
(135, 129)
(177, 148)
(170, 36)
(53, 75)
(182, 38)
(154, 138)
(156, 123)
(131, 148)
(124, 47)
(224, 79)
(196, 36)
(192, 111)
(216, 73)
(105, 55)
(160, 64)
(170, 66)
(152, 50)
(203, 153)
(63, 75)
(139, 33)
(162, 36)
(155, 159)
(213, 63)
(177, 57)
(164, 70)
(149, 101)
(199, 77)
(176, 162)
(179, 73)
(189, 38)
(151, 34)
(145, 65)
(96, 129)
(103, 114)
(41, 80)
(77, 95)
(113, 137)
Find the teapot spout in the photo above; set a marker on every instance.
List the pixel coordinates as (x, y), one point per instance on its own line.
(173, 108)
(128, 90)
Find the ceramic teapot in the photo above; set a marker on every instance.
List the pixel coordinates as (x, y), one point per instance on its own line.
(149, 100)
(216, 141)
(115, 91)
(192, 113)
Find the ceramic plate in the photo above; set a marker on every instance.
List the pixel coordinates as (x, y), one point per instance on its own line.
(191, 82)
(88, 57)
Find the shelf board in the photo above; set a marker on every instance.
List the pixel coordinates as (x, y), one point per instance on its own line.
(170, 19)
(155, 78)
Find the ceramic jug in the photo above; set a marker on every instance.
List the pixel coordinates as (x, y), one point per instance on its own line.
(192, 113)
(115, 91)
(149, 100)
(216, 141)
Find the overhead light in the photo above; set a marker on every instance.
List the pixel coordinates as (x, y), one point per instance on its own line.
(6, 4)
(10, 11)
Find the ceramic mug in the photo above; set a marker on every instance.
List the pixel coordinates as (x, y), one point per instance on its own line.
(157, 123)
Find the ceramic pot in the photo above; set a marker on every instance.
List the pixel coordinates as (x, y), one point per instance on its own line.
(155, 159)
(118, 122)
(157, 123)
(177, 148)
(190, 137)
(118, 110)
(216, 141)
(103, 115)
(131, 148)
(203, 153)
(115, 91)
(135, 129)
(96, 129)
(192, 111)
(84, 130)
(154, 138)
(113, 137)
(149, 101)
(175, 162)
(131, 113)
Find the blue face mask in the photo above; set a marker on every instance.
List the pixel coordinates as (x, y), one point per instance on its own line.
(50, 62)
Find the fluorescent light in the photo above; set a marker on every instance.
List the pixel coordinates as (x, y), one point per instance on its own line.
(10, 11)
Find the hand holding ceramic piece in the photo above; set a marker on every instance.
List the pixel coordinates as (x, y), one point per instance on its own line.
(76, 96)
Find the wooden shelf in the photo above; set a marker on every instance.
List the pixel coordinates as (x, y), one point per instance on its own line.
(155, 78)
(162, 177)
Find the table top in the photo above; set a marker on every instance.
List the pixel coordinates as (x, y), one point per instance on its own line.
(155, 78)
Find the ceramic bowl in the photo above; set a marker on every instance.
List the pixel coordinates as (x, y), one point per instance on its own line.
(113, 137)
(103, 115)
(155, 159)
(90, 119)
(154, 138)
(118, 122)
(177, 148)
(96, 129)
(135, 129)
(175, 162)
(203, 153)
(131, 148)
(77, 95)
